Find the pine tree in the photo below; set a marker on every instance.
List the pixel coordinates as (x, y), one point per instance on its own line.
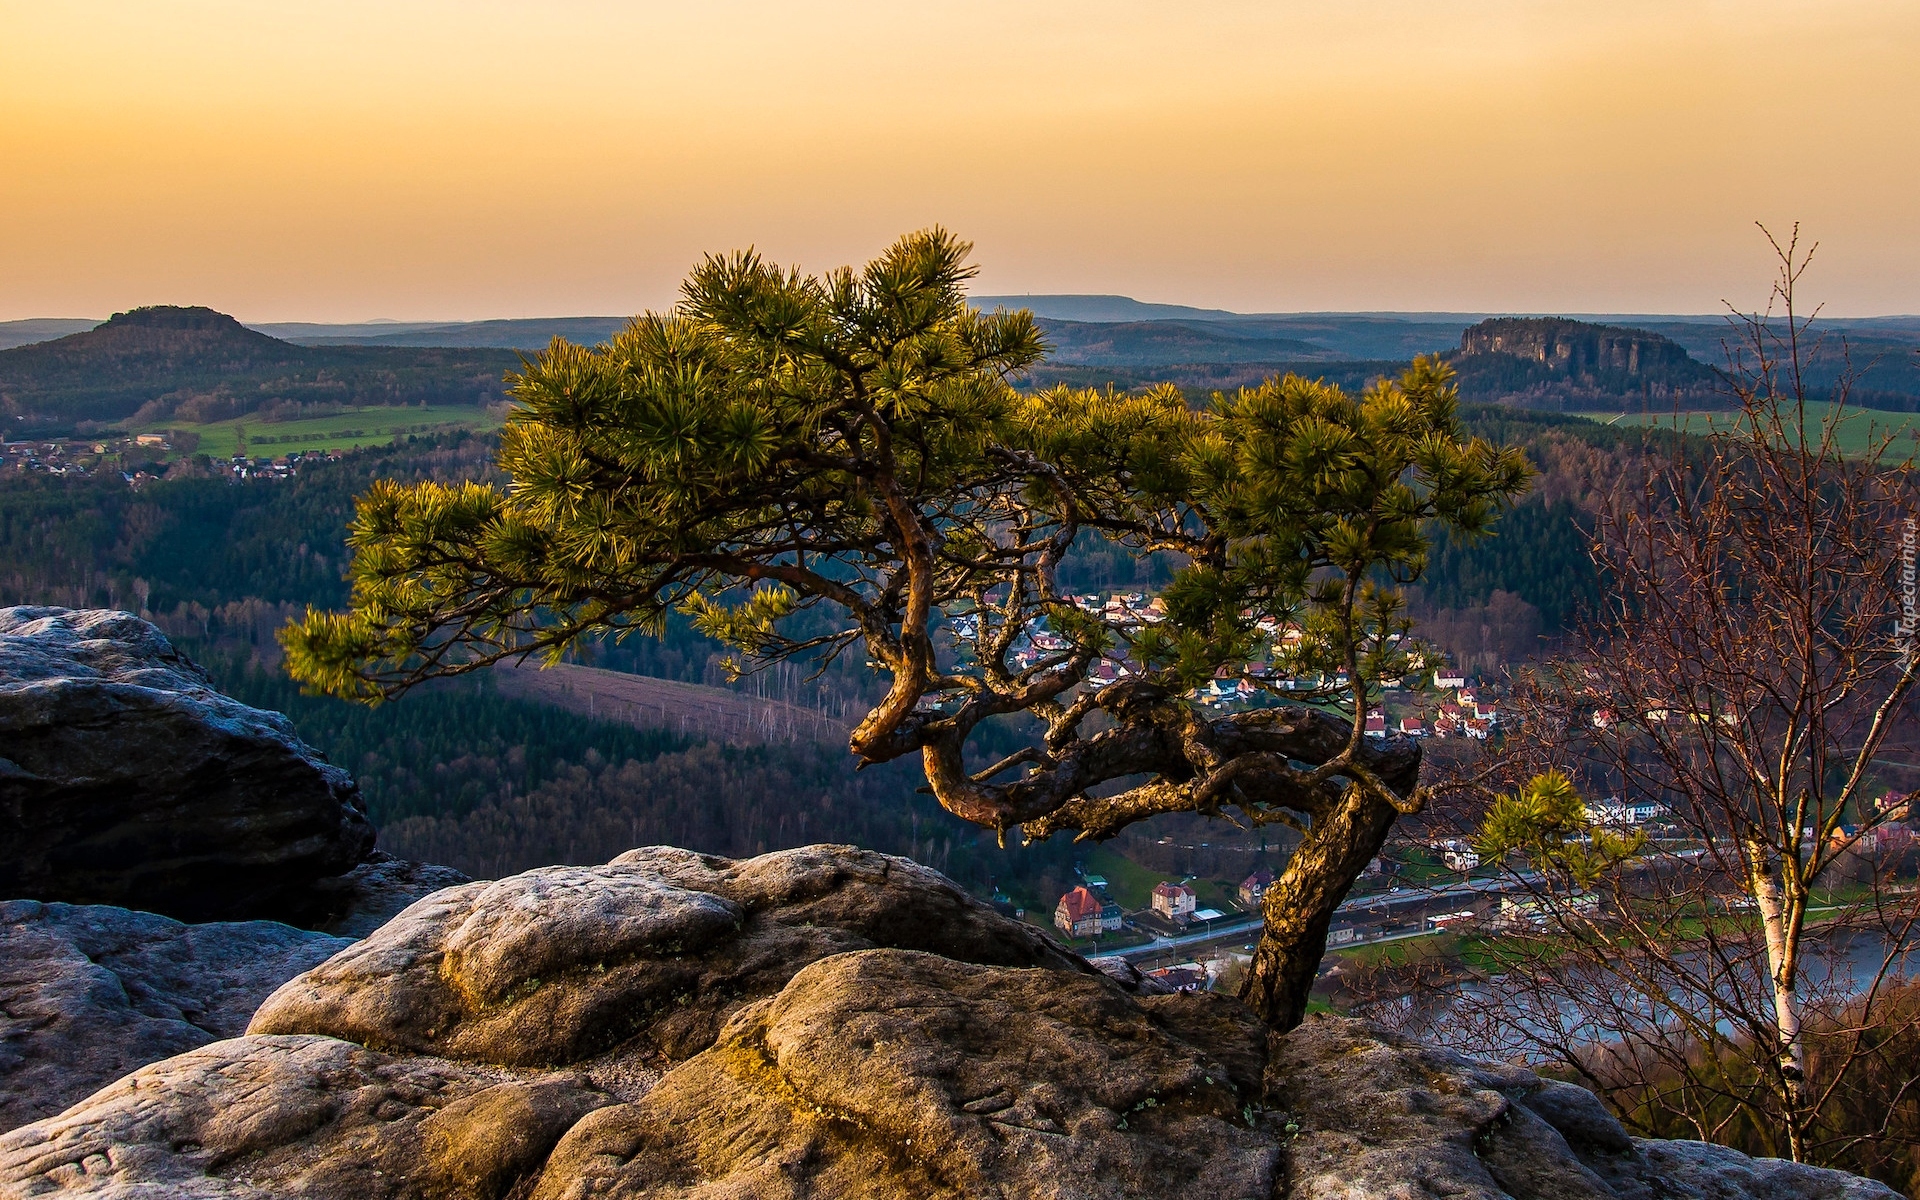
(844, 455)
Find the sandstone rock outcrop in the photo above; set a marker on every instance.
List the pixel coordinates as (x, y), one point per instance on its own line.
(89, 993)
(1555, 361)
(561, 963)
(819, 1023)
(278, 1116)
(126, 779)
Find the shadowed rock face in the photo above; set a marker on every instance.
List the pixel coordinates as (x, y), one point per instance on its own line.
(822, 1023)
(88, 993)
(125, 779)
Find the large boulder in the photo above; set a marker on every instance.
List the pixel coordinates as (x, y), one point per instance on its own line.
(126, 779)
(886, 1073)
(825, 1057)
(89, 993)
(560, 964)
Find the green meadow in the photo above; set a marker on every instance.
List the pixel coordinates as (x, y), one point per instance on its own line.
(346, 430)
(1860, 428)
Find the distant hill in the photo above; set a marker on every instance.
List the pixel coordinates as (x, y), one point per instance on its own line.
(1882, 353)
(1199, 379)
(39, 329)
(1555, 362)
(1097, 339)
(196, 365)
(531, 333)
(1096, 308)
(1148, 343)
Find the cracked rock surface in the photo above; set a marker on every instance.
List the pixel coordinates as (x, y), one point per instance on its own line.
(820, 1023)
(90, 992)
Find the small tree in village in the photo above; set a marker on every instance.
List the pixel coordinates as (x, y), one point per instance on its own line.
(844, 453)
(1754, 659)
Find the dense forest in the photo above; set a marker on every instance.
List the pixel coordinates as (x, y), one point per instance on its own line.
(456, 774)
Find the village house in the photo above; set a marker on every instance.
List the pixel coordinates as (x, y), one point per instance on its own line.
(1617, 813)
(1183, 977)
(1534, 912)
(1079, 914)
(1175, 901)
(1254, 886)
(1461, 858)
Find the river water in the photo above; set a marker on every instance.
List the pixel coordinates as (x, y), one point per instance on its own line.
(1514, 1018)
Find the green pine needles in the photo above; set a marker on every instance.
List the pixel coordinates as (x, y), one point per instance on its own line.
(849, 447)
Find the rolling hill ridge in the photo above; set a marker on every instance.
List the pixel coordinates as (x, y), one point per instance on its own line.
(197, 365)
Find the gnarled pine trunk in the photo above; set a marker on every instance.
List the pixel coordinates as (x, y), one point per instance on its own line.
(1300, 902)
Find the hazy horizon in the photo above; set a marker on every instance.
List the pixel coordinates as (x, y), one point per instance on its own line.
(1201, 309)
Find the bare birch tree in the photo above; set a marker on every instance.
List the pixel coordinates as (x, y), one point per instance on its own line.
(1753, 660)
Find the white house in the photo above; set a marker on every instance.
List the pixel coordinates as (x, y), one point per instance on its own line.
(1175, 901)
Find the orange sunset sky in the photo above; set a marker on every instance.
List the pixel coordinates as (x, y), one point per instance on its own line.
(407, 159)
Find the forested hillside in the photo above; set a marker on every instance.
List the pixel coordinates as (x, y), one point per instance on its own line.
(195, 365)
(455, 773)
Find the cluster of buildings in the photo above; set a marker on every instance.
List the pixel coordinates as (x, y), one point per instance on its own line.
(1468, 713)
(77, 457)
(80, 458)
(243, 467)
(1087, 910)
(1254, 683)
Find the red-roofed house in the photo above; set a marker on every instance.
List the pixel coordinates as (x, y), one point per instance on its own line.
(1174, 901)
(1185, 977)
(1255, 886)
(1078, 914)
